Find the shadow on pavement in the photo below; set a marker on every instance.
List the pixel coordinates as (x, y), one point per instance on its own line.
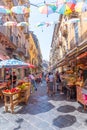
(36, 109)
(19, 121)
(66, 109)
(58, 97)
(63, 121)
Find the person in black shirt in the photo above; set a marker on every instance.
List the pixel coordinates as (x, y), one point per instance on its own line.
(8, 79)
(58, 80)
(14, 79)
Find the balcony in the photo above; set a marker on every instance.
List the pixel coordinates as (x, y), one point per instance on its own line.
(74, 15)
(72, 44)
(21, 50)
(9, 51)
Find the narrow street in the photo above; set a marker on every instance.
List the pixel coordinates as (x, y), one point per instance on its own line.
(45, 113)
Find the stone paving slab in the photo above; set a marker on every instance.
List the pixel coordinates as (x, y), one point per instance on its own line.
(45, 113)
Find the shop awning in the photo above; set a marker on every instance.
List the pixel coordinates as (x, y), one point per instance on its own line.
(82, 55)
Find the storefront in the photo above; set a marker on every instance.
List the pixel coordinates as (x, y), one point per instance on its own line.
(5, 44)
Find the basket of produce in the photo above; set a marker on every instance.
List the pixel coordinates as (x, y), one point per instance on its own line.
(23, 86)
(11, 91)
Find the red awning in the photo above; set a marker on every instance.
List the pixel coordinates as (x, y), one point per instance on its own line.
(3, 57)
(82, 55)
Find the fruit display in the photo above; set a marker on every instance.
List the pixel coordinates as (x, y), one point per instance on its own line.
(71, 79)
(10, 91)
(80, 83)
(23, 86)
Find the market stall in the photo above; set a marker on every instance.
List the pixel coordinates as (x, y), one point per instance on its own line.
(21, 92)
(14, 96)
(70, 79)
(80, 84)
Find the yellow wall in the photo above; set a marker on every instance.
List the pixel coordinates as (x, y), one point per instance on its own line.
(32, 51)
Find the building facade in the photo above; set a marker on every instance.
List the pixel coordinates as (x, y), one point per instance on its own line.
(35, 52)
(17, 42)
(14, 39)
(69, 41)
(16, 36)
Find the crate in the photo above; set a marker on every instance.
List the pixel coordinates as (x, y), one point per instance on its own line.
(11, 100)
(25, 94)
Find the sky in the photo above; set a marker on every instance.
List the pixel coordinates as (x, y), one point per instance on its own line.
(44, 34)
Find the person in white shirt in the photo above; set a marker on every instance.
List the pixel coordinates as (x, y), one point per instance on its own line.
(51, 83)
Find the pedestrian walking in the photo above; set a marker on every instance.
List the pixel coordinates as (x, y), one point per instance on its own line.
(32, 80)
(47, 81)
(58, 80)
(51, 84)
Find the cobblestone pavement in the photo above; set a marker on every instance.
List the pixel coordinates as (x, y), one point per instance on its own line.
(45, 113)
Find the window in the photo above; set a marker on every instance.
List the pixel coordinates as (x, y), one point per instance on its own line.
(76, 33)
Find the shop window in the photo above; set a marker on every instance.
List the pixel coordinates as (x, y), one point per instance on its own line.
(76, 33)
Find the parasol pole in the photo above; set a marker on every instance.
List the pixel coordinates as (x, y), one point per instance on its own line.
(12, 77)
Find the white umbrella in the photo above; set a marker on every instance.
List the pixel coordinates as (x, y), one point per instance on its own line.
(13, 63)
